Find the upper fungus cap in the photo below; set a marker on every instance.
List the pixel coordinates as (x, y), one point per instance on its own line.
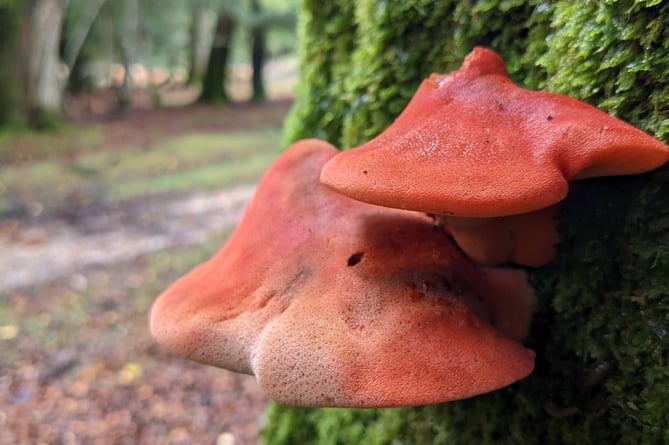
(332, 302)
(472, 143)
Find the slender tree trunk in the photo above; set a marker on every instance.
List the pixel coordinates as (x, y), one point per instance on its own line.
(10, 78)
(196, 34)
(213, 87)
(124, 96)
(46, 76)
(126, 38)
(258, 54)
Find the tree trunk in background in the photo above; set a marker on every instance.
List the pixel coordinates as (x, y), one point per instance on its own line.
(257, 53)
(196, 37)
(11, 88)
(126, 36)
(213, 87)
(31, 73)
(601, 323)
(46, 73)
(124, 93)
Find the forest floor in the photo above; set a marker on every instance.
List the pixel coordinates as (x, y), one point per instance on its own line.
(92, 228)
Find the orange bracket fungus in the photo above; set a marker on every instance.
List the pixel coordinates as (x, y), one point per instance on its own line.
(329, 301)
(472, 144)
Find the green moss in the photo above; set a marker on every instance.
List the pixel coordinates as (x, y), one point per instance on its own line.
(327, 38)
(601, 325)
(613, 54)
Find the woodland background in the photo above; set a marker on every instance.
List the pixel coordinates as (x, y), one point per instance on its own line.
(77, 364)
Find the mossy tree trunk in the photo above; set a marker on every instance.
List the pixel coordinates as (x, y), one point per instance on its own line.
(601, 325)
(328, 38)
(213, 85)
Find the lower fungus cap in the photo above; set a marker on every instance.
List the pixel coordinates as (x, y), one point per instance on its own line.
(333, 302)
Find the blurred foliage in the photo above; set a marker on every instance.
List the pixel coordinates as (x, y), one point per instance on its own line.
(140, 35)
(163, 28)
(601, 325)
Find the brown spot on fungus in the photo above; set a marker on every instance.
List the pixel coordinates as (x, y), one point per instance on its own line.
(354, 259)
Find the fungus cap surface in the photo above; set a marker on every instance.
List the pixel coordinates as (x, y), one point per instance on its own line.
(332, 302)
(472, 143)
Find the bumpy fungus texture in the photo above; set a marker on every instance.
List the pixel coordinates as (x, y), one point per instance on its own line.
(333, 302)
(473, 144)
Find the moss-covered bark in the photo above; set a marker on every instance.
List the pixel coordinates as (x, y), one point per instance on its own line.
(328, 36)
(362, 61)
(601, 327)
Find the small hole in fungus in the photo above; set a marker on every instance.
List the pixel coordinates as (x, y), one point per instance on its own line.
(364, 172)
(549, 118)
(355, 259)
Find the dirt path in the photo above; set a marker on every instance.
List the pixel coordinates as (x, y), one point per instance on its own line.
(78, 364)
(34, 254)
(33, 251)
(116, 384)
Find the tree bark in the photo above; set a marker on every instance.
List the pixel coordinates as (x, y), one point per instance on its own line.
(47, 75)
(196, 34)
(124, 94)
(33, 84)
(11, 88)
(258, 54)
(213, 87)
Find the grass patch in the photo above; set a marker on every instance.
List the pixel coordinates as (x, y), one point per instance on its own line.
(188, 162)
(21, 146)
(179, 154)
(209, 177)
